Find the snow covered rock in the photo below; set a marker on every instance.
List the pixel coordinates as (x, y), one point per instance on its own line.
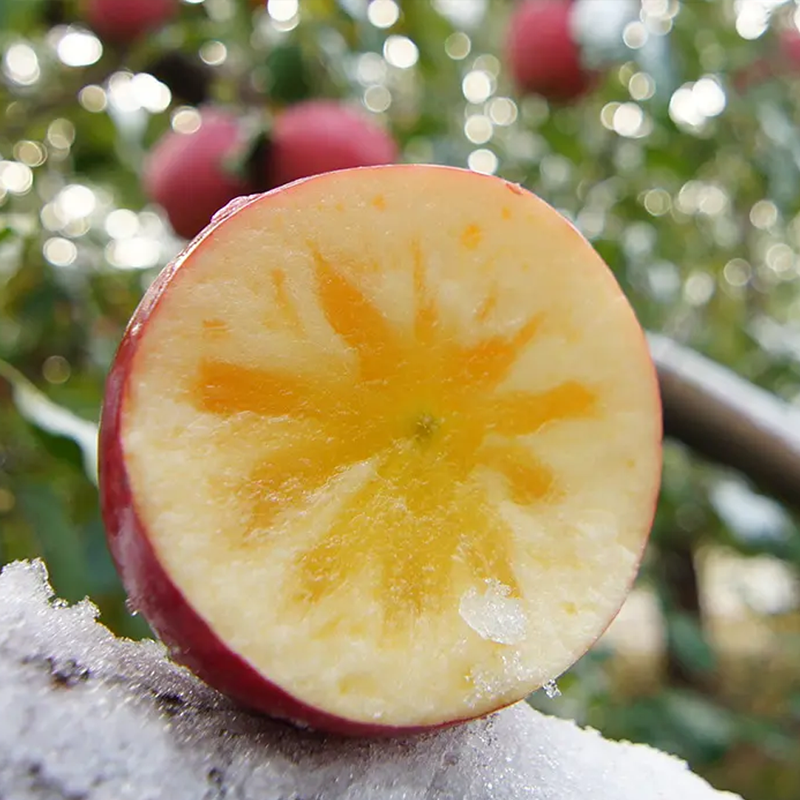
(87, 716)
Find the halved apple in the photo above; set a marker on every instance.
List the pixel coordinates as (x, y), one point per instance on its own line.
(380, 450)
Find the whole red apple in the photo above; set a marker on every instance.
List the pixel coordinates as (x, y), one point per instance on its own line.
(542, 54)
(318, 136)
(191, 175)
(379, 451)
(123, 21)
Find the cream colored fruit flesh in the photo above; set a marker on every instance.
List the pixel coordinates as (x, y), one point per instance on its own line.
(395, 435)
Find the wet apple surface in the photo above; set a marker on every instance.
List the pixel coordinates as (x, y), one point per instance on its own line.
(393, 435)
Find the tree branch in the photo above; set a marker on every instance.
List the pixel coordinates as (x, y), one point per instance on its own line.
(729, 420)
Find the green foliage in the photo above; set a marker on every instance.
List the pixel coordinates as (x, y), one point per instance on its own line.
(687, 186)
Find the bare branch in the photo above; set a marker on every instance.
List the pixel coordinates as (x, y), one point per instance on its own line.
(727, 419)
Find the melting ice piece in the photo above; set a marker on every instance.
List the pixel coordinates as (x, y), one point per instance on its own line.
(494, 615)
(551, 689)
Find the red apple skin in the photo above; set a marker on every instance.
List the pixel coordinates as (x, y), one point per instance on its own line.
(543, 57)
(123, 21)
(189, 639)
(318, 136)
(186, 174)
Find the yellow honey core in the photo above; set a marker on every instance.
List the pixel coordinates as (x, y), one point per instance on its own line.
(400, 455)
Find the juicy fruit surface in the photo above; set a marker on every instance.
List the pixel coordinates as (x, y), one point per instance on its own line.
(395, 435)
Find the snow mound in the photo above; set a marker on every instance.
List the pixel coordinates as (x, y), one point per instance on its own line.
(86, 715)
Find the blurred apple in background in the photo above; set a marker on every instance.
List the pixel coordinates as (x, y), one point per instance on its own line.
(123, 21)
(321, 136)
(192, 175)
(542, 52)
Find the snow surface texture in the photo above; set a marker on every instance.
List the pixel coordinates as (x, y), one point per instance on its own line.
(86, 716)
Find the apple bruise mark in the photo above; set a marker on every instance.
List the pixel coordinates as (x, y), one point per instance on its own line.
(425, 426)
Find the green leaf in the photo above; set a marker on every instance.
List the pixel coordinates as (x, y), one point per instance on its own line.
(287, 78)
(42, 412)
(21, 16)
(58, 537)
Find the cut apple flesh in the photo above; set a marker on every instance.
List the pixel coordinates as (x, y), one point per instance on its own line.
(393, 435)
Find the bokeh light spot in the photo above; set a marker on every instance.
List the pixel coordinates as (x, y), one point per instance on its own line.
(61, 133)
(60, 252)
(457, 45)
(503, 111)
(400, 52)
(630, 121)
(698, 289)
(709, 97)
(483, 161)
(635, 35)
(79, 49)
(737, 272)
(282, 10)
(137, 252)
(607, 114)
(488, 63)
(477, 86)
(383, 13)
(75, 201)
(752, 18)
(370, 69)
(641, 86)
(93, 98)
(186, 120)
(657, 202)
(122, 223)
(56, 369)
(32, 154)
(15, 177)
(377, 99)
(764, 214)
(21, 64)
(213, 53)
(478, 129)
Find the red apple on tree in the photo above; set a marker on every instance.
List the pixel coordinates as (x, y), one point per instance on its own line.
(123, 21)
(318, 136)
(380, 450)
(542, 53)
(192, 175)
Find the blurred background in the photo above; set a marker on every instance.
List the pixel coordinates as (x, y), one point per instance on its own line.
(667, 130)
